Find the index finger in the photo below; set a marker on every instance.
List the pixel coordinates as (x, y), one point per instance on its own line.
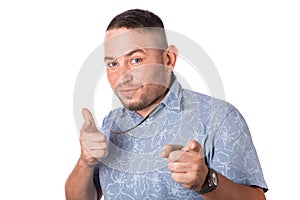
(169, 148)
(89, 122)
(87, 115)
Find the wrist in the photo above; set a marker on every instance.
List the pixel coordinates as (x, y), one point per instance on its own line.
(83, 163)
(210, 184)
(204, 182)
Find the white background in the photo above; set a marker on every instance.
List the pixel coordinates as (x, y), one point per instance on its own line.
(255, 46)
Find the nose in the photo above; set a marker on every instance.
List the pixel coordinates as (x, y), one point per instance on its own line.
(125, 73)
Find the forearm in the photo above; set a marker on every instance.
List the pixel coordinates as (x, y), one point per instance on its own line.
(229, 190)
(80, 185)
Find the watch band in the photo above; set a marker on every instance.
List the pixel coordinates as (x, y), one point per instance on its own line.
(212, 179)
(208, 189)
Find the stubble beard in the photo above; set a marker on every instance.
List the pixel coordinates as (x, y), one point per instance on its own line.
(148, 98)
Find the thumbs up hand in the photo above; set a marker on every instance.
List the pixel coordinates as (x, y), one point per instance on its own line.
(93, 143)
(187, 164)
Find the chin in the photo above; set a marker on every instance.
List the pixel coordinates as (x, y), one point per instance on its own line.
(134, 105)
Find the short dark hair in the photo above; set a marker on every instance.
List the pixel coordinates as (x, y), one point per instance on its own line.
(141, 20)
(135, 18)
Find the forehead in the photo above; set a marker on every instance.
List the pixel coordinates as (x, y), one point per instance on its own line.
(122, 40)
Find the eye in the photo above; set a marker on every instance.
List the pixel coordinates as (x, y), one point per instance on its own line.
(111, 64)
(136, 60)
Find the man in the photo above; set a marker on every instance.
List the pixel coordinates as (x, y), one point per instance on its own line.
(207, 148)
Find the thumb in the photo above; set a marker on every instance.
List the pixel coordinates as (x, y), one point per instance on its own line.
(193, 145)
(88, 118)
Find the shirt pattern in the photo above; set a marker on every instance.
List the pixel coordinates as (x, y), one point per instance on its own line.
(134, 168)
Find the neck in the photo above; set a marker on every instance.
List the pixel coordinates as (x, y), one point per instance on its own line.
(147, 111)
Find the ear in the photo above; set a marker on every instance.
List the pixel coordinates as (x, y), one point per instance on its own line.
(170, 57)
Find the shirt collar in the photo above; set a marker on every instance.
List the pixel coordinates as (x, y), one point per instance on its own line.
(173, 98)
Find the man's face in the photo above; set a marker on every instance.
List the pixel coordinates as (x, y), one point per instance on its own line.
(135, 68)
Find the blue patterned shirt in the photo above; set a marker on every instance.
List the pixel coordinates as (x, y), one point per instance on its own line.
(134, 168)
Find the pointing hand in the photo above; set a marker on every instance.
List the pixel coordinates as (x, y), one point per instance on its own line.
(187, 164)
(93, 143)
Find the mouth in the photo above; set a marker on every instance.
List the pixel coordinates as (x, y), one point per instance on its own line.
(127, 92)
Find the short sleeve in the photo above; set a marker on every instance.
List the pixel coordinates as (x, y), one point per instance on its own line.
(234, 154)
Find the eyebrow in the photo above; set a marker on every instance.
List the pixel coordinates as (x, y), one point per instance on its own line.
(127, 54)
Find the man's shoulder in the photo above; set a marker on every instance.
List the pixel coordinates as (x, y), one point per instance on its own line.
(201, 100)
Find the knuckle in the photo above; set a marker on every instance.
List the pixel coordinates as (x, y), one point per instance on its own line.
(167, 147)
(170, 158)
(102, 137)
(196, 167)
(105, 146)
(174, 176)
(105, 154)
(175, 155)
(194, 178)
(171, 166)
(93, 154)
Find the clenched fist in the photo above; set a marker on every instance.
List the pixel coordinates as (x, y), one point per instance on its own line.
(187, 164)
(93, 143)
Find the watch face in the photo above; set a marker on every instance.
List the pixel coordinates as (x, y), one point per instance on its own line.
(212, 182)
(214, 178)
